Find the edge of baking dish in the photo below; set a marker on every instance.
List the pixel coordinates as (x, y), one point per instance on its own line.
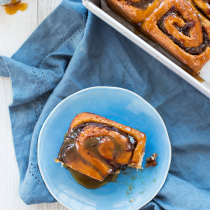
(203, 87)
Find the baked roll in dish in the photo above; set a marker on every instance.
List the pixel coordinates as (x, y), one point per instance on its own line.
(96, 146)
(180, 27)
(176, 26)
(134, 11)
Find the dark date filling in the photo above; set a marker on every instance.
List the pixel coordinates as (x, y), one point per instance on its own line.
(142, 4)
(185, 30)
(69, 147)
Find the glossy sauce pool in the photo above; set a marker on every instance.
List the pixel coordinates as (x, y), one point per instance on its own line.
(79, 166)
(89, 182)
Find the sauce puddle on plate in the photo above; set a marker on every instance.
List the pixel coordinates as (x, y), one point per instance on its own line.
(89, 182)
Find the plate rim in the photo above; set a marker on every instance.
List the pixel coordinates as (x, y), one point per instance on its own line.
(103, 87)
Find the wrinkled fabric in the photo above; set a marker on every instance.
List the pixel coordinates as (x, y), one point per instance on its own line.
(71, 50)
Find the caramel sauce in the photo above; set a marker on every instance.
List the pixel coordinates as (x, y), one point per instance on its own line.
(88, 182)
(104, 149)
(137, 32)
(12, 8)
(196, 76)
(189, 71)
(193, 49)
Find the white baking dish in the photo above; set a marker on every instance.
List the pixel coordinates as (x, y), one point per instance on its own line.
(202, 86)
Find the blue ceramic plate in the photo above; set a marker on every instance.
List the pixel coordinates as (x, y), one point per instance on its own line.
(122, 106)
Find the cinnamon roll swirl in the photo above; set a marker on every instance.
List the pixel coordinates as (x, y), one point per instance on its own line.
(182, 27)
(96, 146)
(176, 26)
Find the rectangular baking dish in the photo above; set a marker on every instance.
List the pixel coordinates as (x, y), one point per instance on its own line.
(202, 85)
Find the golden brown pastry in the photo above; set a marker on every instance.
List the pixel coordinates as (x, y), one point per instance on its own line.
(96, 146)
(176, 26)
(181, 27)
(134, 11)
(203, 6)
(204, 14)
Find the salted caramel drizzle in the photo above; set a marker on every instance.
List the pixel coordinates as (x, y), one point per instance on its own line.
(185, 30)
(89, 182)
(111, 159)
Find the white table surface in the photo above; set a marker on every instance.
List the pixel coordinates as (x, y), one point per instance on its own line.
(14, 30)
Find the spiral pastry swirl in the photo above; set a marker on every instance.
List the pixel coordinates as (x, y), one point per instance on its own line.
(176, 26)
(97, 147)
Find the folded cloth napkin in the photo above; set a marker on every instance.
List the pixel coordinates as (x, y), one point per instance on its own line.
(71, 50)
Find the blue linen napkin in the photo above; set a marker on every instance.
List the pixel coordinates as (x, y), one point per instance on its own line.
(71, 50)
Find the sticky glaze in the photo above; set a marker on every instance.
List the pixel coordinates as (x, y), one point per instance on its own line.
(86, 149)
(186, 31)
(88, 182)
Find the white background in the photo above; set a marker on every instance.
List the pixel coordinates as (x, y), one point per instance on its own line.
(14, 30)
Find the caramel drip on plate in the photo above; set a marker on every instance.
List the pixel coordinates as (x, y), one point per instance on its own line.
(89, 182)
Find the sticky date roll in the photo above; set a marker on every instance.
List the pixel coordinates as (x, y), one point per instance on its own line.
(97, 147)
(176, 26)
